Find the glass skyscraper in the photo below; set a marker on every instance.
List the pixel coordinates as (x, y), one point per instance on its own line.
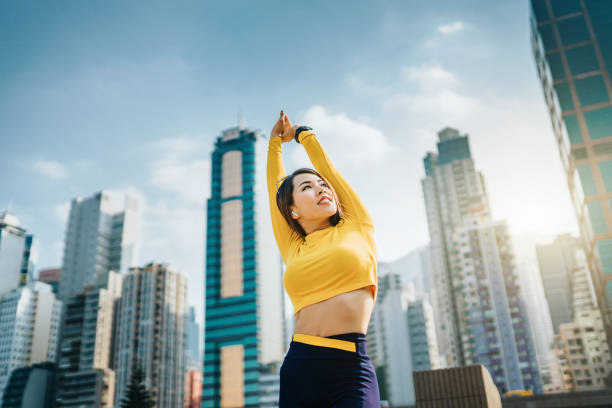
(572, 45)
(244, 296)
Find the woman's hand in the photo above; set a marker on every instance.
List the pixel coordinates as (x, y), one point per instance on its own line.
(280, 128)
(289, 133)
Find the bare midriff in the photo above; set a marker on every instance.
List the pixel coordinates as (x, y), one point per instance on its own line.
(345, 313)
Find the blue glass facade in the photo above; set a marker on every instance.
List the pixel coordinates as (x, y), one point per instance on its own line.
(231, 320)
(572, 44)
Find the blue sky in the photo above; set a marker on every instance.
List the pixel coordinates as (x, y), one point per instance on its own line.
(129, 96)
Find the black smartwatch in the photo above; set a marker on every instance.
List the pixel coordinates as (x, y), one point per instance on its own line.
(299, 130)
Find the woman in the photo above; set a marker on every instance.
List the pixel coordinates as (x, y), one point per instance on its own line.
(326, 238)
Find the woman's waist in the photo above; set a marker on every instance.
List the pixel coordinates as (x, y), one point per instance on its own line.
(344, 313)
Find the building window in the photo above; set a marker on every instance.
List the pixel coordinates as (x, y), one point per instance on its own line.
(599, 122)
(231, 249)
(573, 130)
(539, 10)
(582, 59)
(564, 96)
(604, 247)
(548, 37)
(573, 31)
(586, 179)
(597, 216)
(605, 168)
(556, 67)
(232, 376)
(602, 148)
(591, 90)
(564, 7)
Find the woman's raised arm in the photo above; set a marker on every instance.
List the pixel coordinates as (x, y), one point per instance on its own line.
(283, 233)
(352, 206)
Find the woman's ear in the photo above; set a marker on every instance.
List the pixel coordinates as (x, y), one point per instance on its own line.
(294, 214)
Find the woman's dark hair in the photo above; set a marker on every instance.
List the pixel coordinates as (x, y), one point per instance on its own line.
(284, 200)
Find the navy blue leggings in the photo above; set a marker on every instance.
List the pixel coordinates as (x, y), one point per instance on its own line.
(322, 377)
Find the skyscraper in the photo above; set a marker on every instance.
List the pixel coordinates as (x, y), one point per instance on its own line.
(29, 327)
(152, 333)
(18, 253)
(244, 295)
(572, 46)
(101, 235)
(86, 375)
(583, 340)
(194, 353)
(556, 262)
(389, 340)
(482, 312)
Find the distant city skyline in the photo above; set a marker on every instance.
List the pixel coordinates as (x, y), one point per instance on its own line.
(138, 113)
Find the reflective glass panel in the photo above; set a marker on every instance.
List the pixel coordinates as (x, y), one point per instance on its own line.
(573, 30)
(599, 122)
(591, 90)
(564, 96)
(582, 59)
(573, 130)
(605, 168)
(597, 216)
(586, 179)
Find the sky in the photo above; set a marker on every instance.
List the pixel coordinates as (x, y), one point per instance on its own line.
(130, 96)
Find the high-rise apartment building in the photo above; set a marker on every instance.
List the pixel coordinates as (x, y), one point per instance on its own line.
(481, 310)
(29, 327)
(581, 343)
(538, 312)
(389, 340)
(86, 358)
(193, 349)
(18, 253)
(152, 333)
(572, 45)
(556, 262)
(244, 316)
(102, 234)
(32, 386)
(422, 329)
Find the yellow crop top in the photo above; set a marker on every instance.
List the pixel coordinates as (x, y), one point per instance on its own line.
(330, 261)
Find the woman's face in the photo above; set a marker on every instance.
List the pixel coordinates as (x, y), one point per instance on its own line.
(313, 200)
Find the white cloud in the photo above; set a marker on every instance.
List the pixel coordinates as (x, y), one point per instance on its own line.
(452, 28)
(61, 212)
(51, 169)
(429, 75)
(183, 168)
(434, 92)
(353, 142)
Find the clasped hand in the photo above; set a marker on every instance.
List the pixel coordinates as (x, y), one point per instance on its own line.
(283, 128)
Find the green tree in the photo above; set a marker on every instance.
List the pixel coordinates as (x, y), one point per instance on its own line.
(137, 395)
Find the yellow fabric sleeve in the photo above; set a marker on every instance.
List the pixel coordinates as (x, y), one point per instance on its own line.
(285, 236)
(352, 206)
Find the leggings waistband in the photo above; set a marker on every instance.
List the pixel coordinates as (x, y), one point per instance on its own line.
(352, 342)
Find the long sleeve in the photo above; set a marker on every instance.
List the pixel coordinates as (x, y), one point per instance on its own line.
(353, 207)
(285, 236)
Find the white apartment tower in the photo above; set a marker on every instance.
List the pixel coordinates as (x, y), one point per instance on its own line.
(152, 333)
(102, 234)
(18, 253)
(29, 326)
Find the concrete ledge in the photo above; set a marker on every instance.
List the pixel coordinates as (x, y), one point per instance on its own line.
(468, 386)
